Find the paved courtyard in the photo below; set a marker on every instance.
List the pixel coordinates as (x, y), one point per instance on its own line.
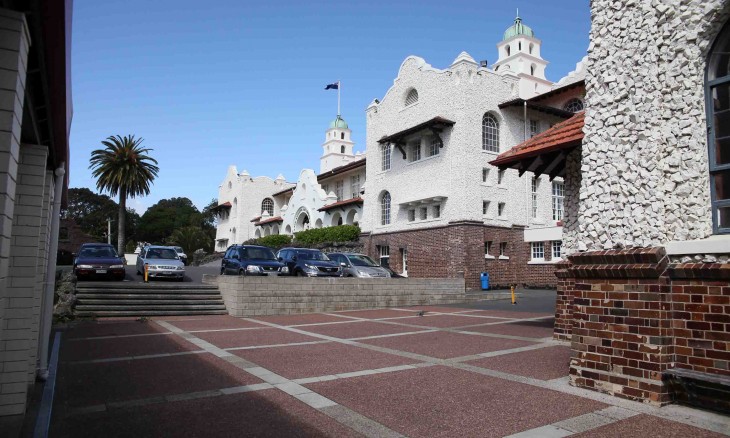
(453, 372)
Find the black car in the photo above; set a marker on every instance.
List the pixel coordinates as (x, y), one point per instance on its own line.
(308, 263)
(98, 260)
(250, 260)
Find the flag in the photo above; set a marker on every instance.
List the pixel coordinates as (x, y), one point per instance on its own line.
(333, 86)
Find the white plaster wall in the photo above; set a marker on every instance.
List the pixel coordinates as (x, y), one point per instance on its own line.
(462, 93)
(644, 170)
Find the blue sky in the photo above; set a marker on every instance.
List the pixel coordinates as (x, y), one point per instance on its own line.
(210, 84)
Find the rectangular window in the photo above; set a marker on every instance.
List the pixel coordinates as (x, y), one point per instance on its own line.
(485, 174)
(503, 249)
(558, 200)
(500, 176)
(500, 209)
(538, 250)
(433, 146)
(718, 107)
(436, 211)
(488, 247)
(384, 252)
(355, 186)
(424, 213)
(411, 215)
(414, 151)
(485, 208)
(535, 183)
(534, 127)
(385, 150)
(339, 190)
(557, 249)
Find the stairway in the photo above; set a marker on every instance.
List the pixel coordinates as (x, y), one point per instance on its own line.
(147, 299)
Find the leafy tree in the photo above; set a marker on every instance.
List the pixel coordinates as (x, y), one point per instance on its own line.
(191, 238)
(167, 215)
(210, 218)
(124, 168)
(90, 212)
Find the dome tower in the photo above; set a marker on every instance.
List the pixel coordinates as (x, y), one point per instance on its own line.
(337, 149)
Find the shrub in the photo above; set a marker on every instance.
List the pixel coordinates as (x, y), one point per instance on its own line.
(340, 233)
(274, 241)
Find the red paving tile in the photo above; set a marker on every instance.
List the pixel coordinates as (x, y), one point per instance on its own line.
(526, 329)
(310, 318)
(89, 349)
(445, 345)
(225, 322)
(510, 314)
(647, 425)
(320, 359)
(376, 313)
(544, 364)
(89, 384)
(252, 338)
(444, 321)
(440, 309)
(90, 329)
(358, 329)
(269, 413)
(442, 402)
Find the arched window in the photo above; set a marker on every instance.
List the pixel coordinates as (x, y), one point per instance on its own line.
(519, 46)
(717, 93)
(532, 69)
(385, 209)
(532, 46)
(490, 133)
(342, 135)
(506, 48)
(342, 149)
(574, 105)
(412, 97)
(267, 206)
(235, 207)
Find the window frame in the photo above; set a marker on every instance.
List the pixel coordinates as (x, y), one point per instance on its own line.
(537, 251)
(355, 185)
(386, 152)
(490, 133)
(385, 218)
(559, 254)
(558, 201)
(534, 186)
(265, 204)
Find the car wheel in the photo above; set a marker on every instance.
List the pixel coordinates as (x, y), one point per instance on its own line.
(223, 271)
(241, 272)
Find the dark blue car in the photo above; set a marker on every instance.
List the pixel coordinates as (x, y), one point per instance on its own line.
(308, 263)
(250, 260)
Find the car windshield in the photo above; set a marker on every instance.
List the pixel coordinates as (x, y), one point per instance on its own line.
(361, 260)
(162, 254)
(258, 254)
(312, 255)
(178, 249)
(97, 253)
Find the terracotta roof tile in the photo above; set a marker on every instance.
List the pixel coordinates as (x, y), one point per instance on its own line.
(268, 221)
(564, 135)
(350, 201)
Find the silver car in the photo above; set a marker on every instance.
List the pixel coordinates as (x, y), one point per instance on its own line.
(162, 262)
(358, 265)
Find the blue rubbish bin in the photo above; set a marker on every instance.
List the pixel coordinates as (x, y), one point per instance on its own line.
(485, 280)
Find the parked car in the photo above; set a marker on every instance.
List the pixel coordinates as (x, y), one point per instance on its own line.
(162, 262)
(98, 260)
(358, 265)
(308, 263)
(181, 254)
(251, 260)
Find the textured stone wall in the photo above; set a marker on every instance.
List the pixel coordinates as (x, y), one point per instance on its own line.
(644, 157)
(253, 296)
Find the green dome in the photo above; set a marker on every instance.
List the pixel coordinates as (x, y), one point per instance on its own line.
(339, 122)
(518, 29)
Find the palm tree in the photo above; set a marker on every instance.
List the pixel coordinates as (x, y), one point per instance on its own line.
(123, 167)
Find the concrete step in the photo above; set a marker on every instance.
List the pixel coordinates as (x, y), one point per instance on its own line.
(102, 307)
(153, 286)
(143, 291)
(146, 296)
(136, 303)
(102, 313)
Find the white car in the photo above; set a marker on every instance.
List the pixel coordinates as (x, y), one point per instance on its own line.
(181, 254)
(161, 262)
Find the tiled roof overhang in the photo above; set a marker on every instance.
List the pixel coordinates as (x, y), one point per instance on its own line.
(342, 169)
(268, 221)
(281, 192)
(545, 153)
(222, 206)
(341, 204)
(534, 102)
(435, 125)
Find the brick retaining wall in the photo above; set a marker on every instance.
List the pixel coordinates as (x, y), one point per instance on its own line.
(254, 296)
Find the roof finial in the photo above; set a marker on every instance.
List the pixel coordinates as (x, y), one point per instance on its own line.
(518, 12)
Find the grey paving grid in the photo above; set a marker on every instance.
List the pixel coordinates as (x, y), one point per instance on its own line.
(619, 410)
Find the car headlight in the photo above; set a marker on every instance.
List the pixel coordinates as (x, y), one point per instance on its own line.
(253, 269)
(363, 274)
(284, 269)
(311, 267)
(116, 267)
(84, 266)
(180, 268)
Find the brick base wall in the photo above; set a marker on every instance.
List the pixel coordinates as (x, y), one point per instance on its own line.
(630, 316)
(253, 296)
(449, 251)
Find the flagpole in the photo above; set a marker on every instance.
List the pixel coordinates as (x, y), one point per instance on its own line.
(339, 86)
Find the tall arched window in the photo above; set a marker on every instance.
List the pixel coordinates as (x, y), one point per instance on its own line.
(342, 149)
(234, 212)
(342, 135)
(717, 93)
(412, 97)
(490, 133)
(267, 206)
(574, 105)
(385, 209)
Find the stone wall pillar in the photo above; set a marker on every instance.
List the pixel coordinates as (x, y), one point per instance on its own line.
(621, 332)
